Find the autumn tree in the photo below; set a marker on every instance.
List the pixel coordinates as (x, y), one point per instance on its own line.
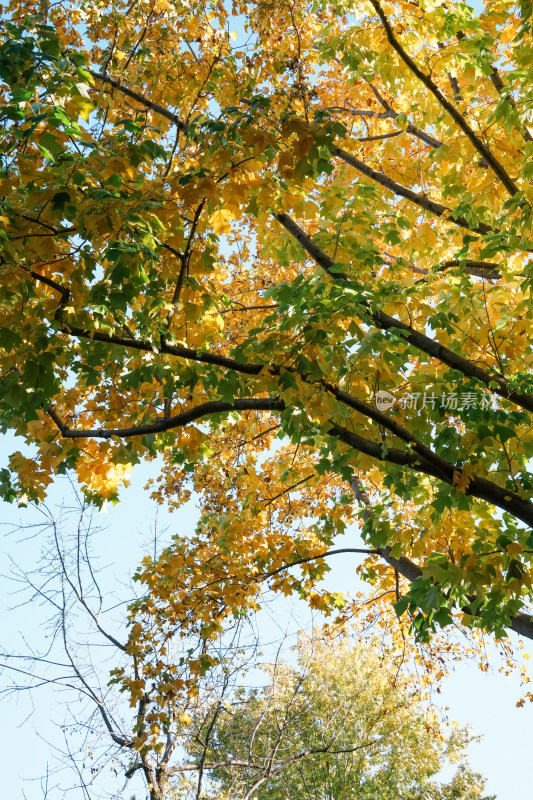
(286, 246)
(341, 723)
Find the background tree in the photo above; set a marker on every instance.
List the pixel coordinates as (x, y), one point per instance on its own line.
(342, 723)
(223, 252)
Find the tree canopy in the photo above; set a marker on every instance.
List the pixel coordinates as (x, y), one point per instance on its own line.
(286, 246)
(340, 724)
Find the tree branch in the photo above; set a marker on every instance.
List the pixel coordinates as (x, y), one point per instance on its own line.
(460, 121)
(494, 381)
(159, 109)
(299, 561)
(520, 623)
(478, 487)
(198, 412)
(420, 200)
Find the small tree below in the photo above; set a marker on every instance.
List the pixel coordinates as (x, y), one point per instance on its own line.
(344, 722)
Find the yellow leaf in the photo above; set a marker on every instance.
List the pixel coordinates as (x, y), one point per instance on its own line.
(80, 106)
(220, 220)
(462, 478)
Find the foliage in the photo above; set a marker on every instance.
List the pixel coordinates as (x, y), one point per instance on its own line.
(295, 262)
(342, 723)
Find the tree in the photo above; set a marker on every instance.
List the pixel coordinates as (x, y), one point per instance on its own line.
(342, 714)
(296, 266)
(105, 743)
(339, 724)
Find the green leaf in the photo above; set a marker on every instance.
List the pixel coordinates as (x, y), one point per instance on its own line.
(401, 605)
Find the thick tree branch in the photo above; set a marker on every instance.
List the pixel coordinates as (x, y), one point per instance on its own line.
(420, 200)
(131, 93)
(495, 382)
(439, 464)
(478, 487)
(459, 120)
(520, 623)
(481, 269)
(177, 421)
